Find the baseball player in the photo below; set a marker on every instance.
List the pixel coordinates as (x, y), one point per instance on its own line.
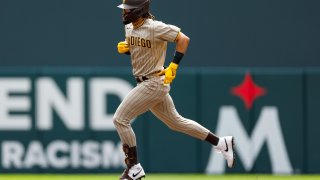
(146, 42)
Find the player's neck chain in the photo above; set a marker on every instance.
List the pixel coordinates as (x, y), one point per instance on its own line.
(138, 23)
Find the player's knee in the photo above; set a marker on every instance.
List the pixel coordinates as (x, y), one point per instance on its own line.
(117, 121)
(114, 121)
(174, 127)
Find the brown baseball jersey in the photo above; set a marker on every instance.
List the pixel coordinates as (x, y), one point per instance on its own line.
(148, 45)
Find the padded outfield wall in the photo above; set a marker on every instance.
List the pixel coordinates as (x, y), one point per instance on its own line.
(59, 120)
(55, 118)
(223, 33)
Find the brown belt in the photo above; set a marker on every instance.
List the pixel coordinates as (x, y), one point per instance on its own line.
(144, 78)
(141, 79)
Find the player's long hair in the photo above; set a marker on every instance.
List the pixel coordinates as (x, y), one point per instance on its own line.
(148, 15)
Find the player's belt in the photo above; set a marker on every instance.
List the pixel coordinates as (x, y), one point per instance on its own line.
(141, 79)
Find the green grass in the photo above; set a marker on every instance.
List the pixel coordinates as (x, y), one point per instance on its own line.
(160, 177)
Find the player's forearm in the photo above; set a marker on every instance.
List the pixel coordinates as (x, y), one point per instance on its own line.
(182, 43)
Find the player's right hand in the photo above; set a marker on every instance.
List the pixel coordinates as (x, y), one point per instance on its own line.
(169, 73)
(123, 47)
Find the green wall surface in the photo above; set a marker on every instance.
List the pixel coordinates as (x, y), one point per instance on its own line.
(223, 33)
(59, 120)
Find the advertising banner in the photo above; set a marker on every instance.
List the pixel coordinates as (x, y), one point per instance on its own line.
(60, 120)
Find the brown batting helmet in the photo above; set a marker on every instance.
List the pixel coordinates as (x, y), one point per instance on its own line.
(138, 9)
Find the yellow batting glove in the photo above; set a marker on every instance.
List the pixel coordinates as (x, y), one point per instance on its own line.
(123, 47)
(169, 73)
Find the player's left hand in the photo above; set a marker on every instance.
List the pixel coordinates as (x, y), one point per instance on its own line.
(123, 47)
(169, 73)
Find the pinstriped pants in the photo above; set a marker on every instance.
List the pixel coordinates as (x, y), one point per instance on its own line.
(154, 96)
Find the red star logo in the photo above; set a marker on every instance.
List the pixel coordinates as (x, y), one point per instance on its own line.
(248, 91)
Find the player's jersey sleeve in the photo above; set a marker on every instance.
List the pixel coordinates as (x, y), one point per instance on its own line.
(127, 29)
(166, 32)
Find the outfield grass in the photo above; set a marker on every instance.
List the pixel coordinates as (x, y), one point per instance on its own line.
(161, 177)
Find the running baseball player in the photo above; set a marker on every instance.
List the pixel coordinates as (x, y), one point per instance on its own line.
(146, 42)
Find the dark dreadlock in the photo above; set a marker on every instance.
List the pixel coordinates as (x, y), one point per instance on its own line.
(148, 15)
